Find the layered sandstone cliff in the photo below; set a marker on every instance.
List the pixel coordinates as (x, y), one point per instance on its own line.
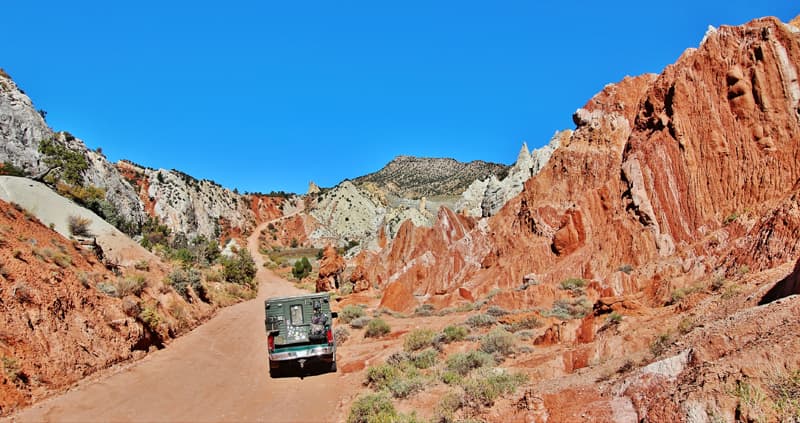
(678, 175)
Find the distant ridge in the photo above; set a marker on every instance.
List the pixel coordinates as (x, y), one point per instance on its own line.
(416, 177)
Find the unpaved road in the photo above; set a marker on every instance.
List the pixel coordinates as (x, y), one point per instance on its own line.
(218, 372)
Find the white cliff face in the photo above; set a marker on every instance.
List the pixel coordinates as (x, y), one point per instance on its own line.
(21, 128)
(486, 197)
(191, 206)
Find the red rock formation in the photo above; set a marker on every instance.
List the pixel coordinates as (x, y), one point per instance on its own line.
(359, 278)
(330, 269)
(694, 169)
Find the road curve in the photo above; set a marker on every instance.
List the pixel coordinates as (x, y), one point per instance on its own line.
(218, 372)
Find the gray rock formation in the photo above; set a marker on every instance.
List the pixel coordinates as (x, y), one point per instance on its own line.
(486, 197)
(21, 128)
(188, 205)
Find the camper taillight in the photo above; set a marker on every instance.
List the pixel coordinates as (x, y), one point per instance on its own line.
(271, 342)
(329, 334)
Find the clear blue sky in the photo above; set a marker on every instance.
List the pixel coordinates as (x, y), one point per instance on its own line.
(267, 95)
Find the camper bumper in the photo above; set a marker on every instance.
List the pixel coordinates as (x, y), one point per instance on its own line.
(303, 353)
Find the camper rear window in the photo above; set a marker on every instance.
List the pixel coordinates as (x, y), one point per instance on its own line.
(296, 313)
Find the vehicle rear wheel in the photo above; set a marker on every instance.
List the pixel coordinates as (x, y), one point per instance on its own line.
(333, 367)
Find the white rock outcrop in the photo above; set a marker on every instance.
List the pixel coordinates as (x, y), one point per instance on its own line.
(486, 197)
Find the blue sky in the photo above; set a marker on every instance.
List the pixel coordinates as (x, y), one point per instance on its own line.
(263, 95)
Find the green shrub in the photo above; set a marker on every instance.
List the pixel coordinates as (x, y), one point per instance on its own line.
(68, 164)
(240, 269)
(447, 407)
(182, 279)
(485, 386)
(150, 317)
(350, 312)
(418, 339)
(372, 408)
(455, 333)
(9, 169)
(377, 328)
(573, 284)
(498, 341)
(463, 363)
(301, 268)
(566, 309)
(425, 359)
(480, 320)
(380, 376)
(131, 285)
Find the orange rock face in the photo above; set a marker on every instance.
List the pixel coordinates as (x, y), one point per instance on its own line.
(695, 169)
(330, 269)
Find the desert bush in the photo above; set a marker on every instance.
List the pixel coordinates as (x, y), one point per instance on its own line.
(360, 322)
(567, 310)
(13, 370)
(340, 334)
(497, 311)
(573, 283)
(377, 328)
(372, 408)
(181, 279)
(786, 390)
(625, 268)
(424, 359)
(150, 317)
(455, 333)
(350, 312)
(660, 344)
(498, 341)
(529, 322)
(107, 288)
(418, 339)
(486, 385)
(71, 164)
(380, 376)
(463, 363)
(9, 169)
(480, 320)
(686, 325)
(424, 310)
(447, 407)
(131, 285)
(79, 226)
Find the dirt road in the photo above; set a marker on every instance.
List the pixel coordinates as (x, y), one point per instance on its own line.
(218, 372)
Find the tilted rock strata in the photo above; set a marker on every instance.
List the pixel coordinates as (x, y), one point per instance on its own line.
(668, 174)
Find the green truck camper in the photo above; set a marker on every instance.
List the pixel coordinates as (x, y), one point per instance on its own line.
(300, 332)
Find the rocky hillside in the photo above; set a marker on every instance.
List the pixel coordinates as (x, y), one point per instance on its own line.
(70, 311)
(671, 186)
(22, 130)
(416, 177)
